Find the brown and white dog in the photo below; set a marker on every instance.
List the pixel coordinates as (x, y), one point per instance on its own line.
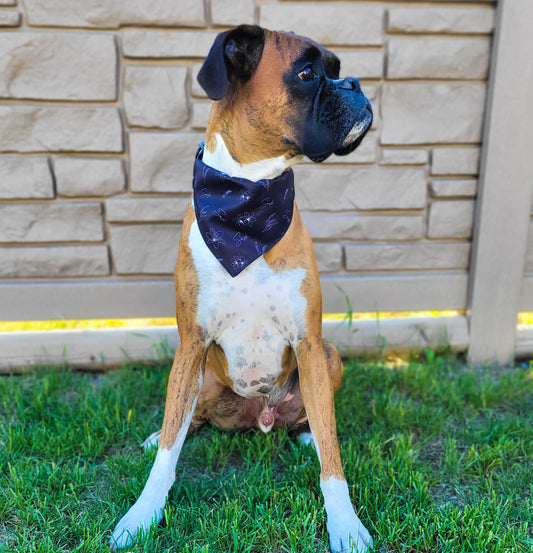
(251, 351)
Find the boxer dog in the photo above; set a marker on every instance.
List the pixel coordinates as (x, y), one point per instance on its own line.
(248, 296)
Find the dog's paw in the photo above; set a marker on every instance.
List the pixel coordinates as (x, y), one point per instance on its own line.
(136, 522)
(346, 531)
(152, 441)
(305, 439)
(347, 534)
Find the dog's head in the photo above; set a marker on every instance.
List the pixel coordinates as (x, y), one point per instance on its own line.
(280, 93)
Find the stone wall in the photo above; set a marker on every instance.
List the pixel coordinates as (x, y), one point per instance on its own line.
(100, 117)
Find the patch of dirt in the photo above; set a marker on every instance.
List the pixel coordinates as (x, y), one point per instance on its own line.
(445, 495)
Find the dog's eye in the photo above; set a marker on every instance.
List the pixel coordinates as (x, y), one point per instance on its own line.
(307, 75)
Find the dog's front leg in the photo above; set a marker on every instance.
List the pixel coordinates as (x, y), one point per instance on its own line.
(183, 389)
(346, 531)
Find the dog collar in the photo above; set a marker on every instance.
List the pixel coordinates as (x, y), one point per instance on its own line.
(239, 219)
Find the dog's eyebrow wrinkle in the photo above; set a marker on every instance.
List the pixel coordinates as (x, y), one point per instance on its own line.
(309, 53)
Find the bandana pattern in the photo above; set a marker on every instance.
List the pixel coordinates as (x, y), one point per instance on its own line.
(239, 219)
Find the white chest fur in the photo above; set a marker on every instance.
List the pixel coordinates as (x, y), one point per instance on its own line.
(252, 316)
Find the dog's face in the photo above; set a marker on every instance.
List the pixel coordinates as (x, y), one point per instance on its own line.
(285, 92)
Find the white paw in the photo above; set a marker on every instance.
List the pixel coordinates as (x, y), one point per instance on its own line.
(305, 438)
(152, 440)
(347, 533)
(134, 523)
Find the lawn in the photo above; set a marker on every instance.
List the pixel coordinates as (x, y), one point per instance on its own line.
(438, 455)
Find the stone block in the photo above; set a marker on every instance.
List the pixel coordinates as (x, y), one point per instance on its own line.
(163, 162)
(422, 113)
(438, 58)
(145, 249)
(77, 299)
(346, 188)
(10, 18)
(392, 257)
(403, 156)
(156, 96)
(371, 92)
(196, 89)
(58, 66)
(200, 115)
(354, 226)
(455, 161)
(27, 128)
(362, 64)
(451, 219)
(395, 292)
(115, 13)
(330, 23)
(51, 222)
(328, 256)
(376, 111)
(78, 176)
(157, 210)
(366, 152)
(232, 12)
(138, 43)
(54, 261)
(24, 177)
(453, 187)
(464, 20)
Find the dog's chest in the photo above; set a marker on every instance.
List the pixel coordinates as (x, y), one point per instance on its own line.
(253, 316)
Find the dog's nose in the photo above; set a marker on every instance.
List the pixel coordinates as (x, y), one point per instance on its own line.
(351, 84)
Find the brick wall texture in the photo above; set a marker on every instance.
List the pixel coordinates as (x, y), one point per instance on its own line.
(101, 114)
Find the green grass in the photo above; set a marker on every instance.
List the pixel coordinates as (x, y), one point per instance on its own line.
(439, 458)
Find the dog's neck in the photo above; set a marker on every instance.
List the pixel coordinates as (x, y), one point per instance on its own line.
(221, 160)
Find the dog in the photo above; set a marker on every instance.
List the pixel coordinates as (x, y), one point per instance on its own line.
(248, 296)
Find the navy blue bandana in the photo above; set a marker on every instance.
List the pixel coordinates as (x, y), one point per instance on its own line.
(240, 219)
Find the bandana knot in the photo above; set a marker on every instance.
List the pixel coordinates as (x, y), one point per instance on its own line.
(239, 219)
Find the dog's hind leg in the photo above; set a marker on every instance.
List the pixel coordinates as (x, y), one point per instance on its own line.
(196, 423)
(184, 385)
(334, 363)
(152, 440)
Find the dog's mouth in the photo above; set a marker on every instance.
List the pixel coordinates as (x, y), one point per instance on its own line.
(357, 132)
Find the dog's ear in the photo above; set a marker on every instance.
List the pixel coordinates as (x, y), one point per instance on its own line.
(234, 54)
